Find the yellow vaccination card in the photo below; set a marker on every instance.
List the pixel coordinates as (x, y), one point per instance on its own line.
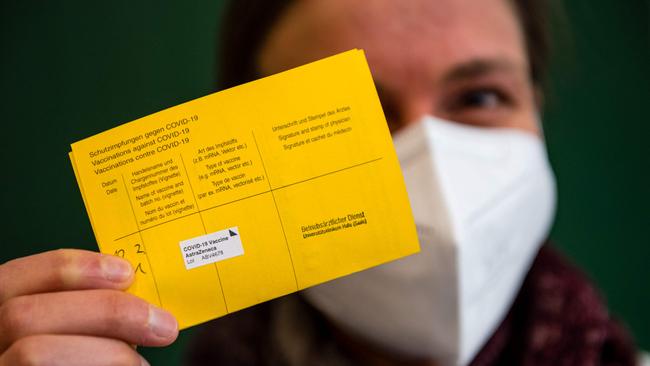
(250, 193)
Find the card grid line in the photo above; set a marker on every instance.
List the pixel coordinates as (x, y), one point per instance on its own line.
(268, 181)
(251, 196)
(205, 230)
(146, 252)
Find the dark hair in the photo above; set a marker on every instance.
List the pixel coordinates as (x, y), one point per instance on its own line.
(246, 24)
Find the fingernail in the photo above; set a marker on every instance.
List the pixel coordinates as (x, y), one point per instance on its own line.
(116, 269)
(162, 323)
(143, 362)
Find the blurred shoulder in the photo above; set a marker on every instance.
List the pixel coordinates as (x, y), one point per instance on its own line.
(238, 339)
(282, 332)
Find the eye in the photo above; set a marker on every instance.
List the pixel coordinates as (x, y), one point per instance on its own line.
(481, 98)
(481, 104)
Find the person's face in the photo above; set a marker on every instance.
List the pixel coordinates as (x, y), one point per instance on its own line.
(460, 60)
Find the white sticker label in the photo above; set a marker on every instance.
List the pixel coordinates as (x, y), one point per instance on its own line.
(210, 248)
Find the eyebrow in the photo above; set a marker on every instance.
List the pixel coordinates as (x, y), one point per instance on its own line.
(465, 71)
(477, 68)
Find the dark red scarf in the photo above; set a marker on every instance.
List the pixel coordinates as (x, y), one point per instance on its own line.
(558, 318)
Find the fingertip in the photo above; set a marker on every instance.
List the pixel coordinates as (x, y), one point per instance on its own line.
(163, 325)
(116, 269)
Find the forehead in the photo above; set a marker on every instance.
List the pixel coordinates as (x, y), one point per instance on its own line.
(400, 38)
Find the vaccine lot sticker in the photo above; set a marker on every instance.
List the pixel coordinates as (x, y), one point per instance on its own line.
(211, 248)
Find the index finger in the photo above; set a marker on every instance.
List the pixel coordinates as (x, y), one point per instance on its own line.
(62, 270)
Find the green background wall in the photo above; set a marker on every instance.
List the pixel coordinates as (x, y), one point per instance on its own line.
(71, 69)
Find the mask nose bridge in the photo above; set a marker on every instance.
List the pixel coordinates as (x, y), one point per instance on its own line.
(417, 156)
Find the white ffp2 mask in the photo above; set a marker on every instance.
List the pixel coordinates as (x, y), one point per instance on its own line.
(483, 201)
